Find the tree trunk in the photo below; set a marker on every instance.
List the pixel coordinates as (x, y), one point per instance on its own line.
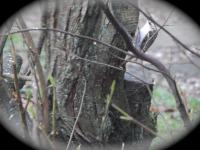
(71, 72)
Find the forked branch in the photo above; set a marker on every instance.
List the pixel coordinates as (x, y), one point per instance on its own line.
(165, 72)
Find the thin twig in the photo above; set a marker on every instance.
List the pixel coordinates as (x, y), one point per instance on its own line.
(188, 57)
(135, 62)
(19, 100)
(140, 55)
(158, 30)
(128, 39)
(43, 35)
(80, 36)
(40, 73)
(132, 119)
(127, 117)
(79, 113)
(155, 34)
(71, 34)
(111, 66)
(165, 30)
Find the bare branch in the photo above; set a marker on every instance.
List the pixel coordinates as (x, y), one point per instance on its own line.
(135, 62)
(127, 117)
(128, 39)
(71, 34)
(158, 30)
(137, 53)
(79, 113)
(188, 57)
(111, 66)
(43, 35)
(39, 70)
(165, 30)
(19, 100)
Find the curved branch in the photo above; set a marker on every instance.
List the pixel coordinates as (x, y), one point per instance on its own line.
(166, 31)
(140, 55)
(128, 39)
(68, 33)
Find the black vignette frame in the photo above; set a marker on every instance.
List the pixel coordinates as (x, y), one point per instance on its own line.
(190, 9)
(13, 6)
(9, 8)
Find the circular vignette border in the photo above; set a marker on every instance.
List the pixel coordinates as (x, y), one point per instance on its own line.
(11, 7)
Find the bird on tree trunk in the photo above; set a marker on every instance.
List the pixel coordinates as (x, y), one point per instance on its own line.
(146, 36)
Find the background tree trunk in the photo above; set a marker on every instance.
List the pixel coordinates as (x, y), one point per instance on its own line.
(86, 18)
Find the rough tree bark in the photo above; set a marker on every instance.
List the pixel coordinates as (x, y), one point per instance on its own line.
(86, 18)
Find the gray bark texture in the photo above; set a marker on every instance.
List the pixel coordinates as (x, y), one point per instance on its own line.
(86, 18)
